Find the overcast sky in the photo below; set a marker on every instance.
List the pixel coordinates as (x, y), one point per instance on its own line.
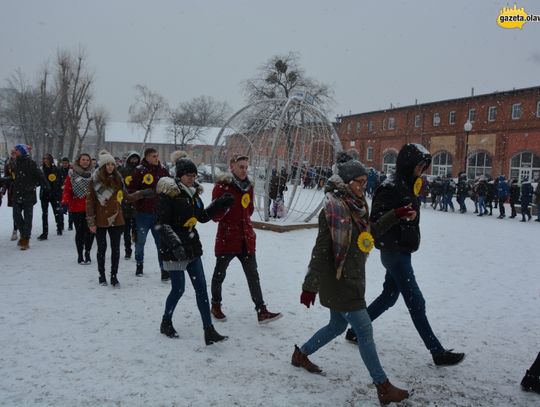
(371, 53)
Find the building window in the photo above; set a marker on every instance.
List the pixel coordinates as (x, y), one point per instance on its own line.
(479, 164)
(370, 125)
(348, 128)
(472, 115)
(391, 123)
(357, 127)
(441, 164)
(452, 118)
(417, 120)
(384, 124)
(352, 143)
(389, 162)
(516, 111)
(525, 166)
(369, 154)
(436, 119)
(538, 109)
(492, 113)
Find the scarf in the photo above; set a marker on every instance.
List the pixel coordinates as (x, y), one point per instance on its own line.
(80, 179)
(103, 192)
(342, 208)
(243, 185)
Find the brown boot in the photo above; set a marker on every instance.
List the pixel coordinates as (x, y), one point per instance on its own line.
(217, 313)
(389, 393)
(25, 244)
(300, 360)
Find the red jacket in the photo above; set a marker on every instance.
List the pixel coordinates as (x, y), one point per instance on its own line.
(146, 176)
(75, 205)
(235, 232)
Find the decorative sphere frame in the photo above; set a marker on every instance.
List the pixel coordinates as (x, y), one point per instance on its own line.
(291, 147)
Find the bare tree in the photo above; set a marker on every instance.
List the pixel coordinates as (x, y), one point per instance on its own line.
(101, 118)
(147, 110)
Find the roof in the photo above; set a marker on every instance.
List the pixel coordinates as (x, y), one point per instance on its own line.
(127, 132)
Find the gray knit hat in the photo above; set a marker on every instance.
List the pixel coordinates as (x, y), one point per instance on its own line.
(348, 168)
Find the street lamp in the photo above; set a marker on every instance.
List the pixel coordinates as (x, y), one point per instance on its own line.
(467, 127)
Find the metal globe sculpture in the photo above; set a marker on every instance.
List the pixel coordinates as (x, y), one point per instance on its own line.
(291, 146)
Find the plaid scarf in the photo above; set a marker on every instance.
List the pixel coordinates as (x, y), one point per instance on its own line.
(80, 179)
(342, 208)
(103, 192)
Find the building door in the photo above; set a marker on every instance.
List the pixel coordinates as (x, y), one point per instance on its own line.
(525, 174)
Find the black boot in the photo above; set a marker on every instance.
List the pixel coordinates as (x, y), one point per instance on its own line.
(102, 279)
(87, 259)
(350, 336)
(165, 276)
(80, 259)
(448, 358)
(531, 382)
(167, 328)
(43, 236)
(139, 271)
(128, 254)
(114, 281)
(211, 336)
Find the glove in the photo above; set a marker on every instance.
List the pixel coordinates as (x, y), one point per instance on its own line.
(64, 209)
(179, 252)
(224, 201)
(307, 298)
(404, 212)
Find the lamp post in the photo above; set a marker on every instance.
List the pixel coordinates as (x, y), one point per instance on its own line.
(467, 127)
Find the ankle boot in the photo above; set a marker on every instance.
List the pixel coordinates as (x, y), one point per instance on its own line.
(217, 313)
(531, 382)
(389, 393)
(114, 280)
(301, 360)
(87, 259)
(211, 336)
(167, 328)
(102, 279)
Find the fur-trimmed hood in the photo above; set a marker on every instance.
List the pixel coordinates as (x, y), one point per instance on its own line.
(227, 178)
(169, 186)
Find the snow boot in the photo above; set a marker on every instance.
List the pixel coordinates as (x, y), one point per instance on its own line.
(87, 259)
(389, 393)
(25, 244)
(59, 232)
(139, 271)
(211, 336)
(167, 328)
(114, 281)
(350, 336)
(448, 358)
(14, 236)
(102, 279)
(128, 254)
(165, 276)
(217, 313)
(531, 382)
(299, 359)
(264, 316)
(43, 236)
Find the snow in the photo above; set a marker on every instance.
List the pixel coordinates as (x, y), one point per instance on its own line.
(66, 341)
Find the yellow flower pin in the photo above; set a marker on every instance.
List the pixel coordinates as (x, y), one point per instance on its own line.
(52, 177)
(120, 196)
(246, 200)
(191, 222)
(148, 179)
(418, 186)
(365, 242)
(12, 175)
(128, 180)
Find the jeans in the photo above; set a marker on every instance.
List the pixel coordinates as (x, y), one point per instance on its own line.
(23, 214)
(249, 264)
(502, 211)
(83, 237)
(58, 217)
(361, 324)
(129, 228)
(178, 284)
(461, 201)
(145, 222)
(101, 238)
(482, 205)
(400, 279)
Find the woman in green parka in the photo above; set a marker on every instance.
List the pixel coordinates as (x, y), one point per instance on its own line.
(337, 272)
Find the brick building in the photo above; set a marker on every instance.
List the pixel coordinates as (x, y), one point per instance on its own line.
(504, 138)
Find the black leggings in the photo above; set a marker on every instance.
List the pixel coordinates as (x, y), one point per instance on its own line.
(115, 232)
(83, 237)
(535, 368)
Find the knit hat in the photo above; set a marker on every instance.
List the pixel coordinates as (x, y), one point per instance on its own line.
(23, 149)
(104, 158)
(349, 168)
(185, 166)
(65, 159)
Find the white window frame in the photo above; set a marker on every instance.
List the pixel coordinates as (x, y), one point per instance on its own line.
(452, 117)
(417, 120)
(370, 125)
(441, 164)
(490, 110)
(369, 154)
(436, 119)
(358, 126)
(516, 111)
(349, 128)
(389, 168)
(472, 115)
(391, 123)
(538, 109)
(352, 143)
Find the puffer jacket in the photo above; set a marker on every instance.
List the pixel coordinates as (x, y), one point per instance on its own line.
(26, 176)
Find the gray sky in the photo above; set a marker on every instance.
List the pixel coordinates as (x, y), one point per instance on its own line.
(372, 53)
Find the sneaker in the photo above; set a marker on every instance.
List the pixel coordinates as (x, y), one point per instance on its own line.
(102, 280)
(299, 359)
(217, 313)
(165, 276)
(167, 329)
(14, 236)
(114, 281)
(43, 236)
(448, 358)
(139, 271)
(350, 336)
(530, 382)
(264, 316)
(212, 336)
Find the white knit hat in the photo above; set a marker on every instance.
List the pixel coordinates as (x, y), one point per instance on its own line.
(104, 158)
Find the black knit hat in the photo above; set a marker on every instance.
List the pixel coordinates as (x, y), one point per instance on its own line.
(185, 166)
(349, 168)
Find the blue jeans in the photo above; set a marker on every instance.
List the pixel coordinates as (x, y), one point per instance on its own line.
(178, 285)
(361, 324)
(145, 222)
(481, 204)
(400, 279)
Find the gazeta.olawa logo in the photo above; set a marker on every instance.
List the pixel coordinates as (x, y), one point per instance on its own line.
(514, 17)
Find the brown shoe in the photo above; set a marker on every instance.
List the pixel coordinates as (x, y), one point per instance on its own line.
(217, 313)
(264, 316)
(389, 393)
(300, 360)
(24, 244)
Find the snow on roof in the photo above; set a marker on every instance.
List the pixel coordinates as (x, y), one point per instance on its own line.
(126, 132)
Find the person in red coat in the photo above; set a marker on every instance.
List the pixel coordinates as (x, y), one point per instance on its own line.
(236, 238)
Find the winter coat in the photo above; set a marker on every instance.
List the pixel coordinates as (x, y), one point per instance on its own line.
(277, 186)
(9, 172)
(346, 293)
(514, 193)
(109, 212)
(482, 188)
(391, 233)
(146, 176)
(235, 232)
(526, 193)
(76, 204)
(491, 191)
(177, 214)
(54, 176)
(537, 194)
(462, 187)
(26, 177)
(502, 189)
(127, 172)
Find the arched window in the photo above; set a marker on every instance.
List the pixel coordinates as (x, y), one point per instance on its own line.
(441, 163)
(389, 162)
(479, 164)
(525, 165)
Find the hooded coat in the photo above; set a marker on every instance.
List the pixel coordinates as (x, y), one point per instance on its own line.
(26, 176)
(146, 176)
(55, 179)
(127, 171)
(390, 232)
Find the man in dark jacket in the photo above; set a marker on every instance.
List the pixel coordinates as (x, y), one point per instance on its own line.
(526, 199)
(462, 191)
(26, 176)
(514, 197)
(53, 196)
(395, 223)
(127, 170)
(502, 195)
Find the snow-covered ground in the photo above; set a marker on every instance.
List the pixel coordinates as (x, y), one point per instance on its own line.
(66, 341)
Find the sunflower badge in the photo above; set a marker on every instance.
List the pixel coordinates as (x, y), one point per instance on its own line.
(246, 200)
(148, 179)
(51, 177)
(128, 179)
(418, 186)
(191, 222)
(365, 242)
(120, 196)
